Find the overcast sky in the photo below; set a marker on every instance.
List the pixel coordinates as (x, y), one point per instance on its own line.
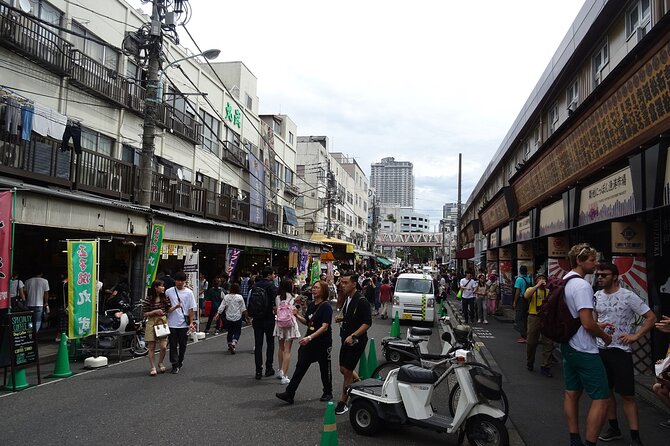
(420, 81)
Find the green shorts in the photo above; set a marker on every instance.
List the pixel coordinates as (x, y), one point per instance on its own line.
(584, 371)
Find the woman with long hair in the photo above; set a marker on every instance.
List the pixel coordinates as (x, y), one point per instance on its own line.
(235, 310)
(316, 345)
(155, 308)
(285, 302)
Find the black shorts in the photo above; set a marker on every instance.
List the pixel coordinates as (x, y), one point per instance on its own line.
(351, 354)
(619, 368)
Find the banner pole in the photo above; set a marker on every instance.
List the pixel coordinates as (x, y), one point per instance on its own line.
(11, 246)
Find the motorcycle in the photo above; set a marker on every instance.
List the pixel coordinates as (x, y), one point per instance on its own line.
(112, 324)
(404, 397)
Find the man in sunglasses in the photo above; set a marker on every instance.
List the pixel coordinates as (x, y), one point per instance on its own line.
(620, 308)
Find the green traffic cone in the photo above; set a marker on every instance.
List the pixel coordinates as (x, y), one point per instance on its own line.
(62, 367)
(20, 380)
(329, 435)
(363, 372)
(442, 312)
(395, 327)
(372, 358)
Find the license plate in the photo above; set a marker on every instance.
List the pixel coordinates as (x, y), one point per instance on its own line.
(407, 315)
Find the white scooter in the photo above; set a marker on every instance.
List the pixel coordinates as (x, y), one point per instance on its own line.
(404, 397)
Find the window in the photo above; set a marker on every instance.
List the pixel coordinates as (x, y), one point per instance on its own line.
(277, 170)
(572, 95)
(288, 176)
(276, 126)
(249, 101)
(553, 118)
(206, 182)
(44, 11)
(600, 59)
(210, 132)
(639, 16)
(96, 51)
(96, 142)
(130, 155)
(290, 137)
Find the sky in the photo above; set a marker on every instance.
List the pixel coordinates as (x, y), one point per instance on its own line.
(421, 81)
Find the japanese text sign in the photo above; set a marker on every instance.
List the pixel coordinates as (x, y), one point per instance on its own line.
(82, 288)
(154, 253)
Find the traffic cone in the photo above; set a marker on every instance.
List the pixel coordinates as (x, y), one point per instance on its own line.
(442, 312)
(62, 367)
(363, 372)
(395, 327)
(20, 380)
(372, 358)
(329, 435)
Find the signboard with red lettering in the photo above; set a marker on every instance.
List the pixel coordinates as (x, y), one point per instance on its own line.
(82, 287)
(5, 246)
(154, 253)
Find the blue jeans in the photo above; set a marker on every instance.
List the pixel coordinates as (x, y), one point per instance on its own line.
(234, 329)
(38, 317)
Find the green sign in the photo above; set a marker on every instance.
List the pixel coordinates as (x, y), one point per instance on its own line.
(24, 346)
(234, 116)
(82, 288)
(281, 245)
(154, 253)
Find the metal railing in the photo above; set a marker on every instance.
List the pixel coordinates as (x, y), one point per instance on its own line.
(239, 212)
(98, 79)
(104, 175)
(183, 124)
(234, 155)
(135, 97)
(39, 159)
(218, 206)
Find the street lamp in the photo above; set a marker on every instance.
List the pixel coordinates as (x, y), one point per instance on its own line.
(154, 95)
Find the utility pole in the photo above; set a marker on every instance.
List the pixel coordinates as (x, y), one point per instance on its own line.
(375, 223)
(458, 204)
(330, 185)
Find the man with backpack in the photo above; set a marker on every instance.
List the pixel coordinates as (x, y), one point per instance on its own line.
(522, 282)
(261, 309)
(583, 370)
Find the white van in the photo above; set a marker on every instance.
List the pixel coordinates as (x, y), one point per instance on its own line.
(414, 297)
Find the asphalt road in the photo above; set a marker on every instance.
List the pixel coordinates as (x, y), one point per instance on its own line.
(213, 400)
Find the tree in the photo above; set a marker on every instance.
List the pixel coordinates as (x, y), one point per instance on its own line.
(391, 218)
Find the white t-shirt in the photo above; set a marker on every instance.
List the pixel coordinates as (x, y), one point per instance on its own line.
(14, 286)
(619, 309)
(179, 318)
(233, 305)
(35, 289)
(579, 295)
(469, 287)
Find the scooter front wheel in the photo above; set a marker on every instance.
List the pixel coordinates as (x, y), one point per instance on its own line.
(501, 404)
(484, 430)
(138, 347)
(363, 417)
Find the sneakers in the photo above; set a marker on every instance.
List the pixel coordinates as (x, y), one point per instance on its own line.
(285, 380)
(479, 321)
(521, 340)
(269, 372)
(326, 397)
(529, 367)
(259, 375)
(610, 434)
(546, 371)
(279, 374)
(175, 370)
(341, 408)
(285, 396)
(485, 321)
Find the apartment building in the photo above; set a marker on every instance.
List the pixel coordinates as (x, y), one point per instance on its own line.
(394, 182)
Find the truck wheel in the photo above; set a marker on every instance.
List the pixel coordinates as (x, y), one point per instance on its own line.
(363, 417)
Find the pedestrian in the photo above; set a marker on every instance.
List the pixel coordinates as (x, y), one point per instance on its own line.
(203, 286)
(385, 297)
(37, 297)
(377, 281)
(583, 370)
(17, 293)
(355, 320)
(215, 296)
(467, 286)
(662, 368)
(492, 293)
(536, 296)
(480, 299)
(155, 308)
(261, 310)
(620, 308)
(522, 282)
(180, 319)
(234, 310)
(285, 304)
(316, 346)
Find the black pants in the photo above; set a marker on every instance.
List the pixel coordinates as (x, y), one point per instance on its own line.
(218, 325)
(234, 329)
(177, 339)
(264, 330)
(306, 356)
(468, 309)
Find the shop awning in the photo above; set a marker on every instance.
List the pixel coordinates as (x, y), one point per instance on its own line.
(363, 253)
(384, 261)
(466, 253)
(290, 217)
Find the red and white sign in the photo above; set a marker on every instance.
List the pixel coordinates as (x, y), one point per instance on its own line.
(5, 246)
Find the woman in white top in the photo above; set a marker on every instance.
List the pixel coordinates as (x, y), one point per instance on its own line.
(286, 335)
(233, 305)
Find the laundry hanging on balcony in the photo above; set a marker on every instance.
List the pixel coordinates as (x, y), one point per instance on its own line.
(48, 122)
(17, 114)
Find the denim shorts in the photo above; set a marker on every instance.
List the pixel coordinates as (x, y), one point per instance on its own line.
(584, 371)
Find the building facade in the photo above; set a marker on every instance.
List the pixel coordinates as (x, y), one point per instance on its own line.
(394, 182)
(587, 161)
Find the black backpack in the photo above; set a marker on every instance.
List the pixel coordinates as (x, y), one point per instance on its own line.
(258, 302)
(556, 321)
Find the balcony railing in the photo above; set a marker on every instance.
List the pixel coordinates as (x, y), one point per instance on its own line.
(98, 79)
(218, 206)
(239, 212)
(103, 175)
(184, 125)
(292, 189)
(39, 159)
(272, 219)
(189, 199)
(34, 40)
(135, 97)
(234, 155)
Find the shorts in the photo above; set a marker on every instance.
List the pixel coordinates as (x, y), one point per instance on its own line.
(149, 333)
(619, 368)
(584, 371)
(351, 354)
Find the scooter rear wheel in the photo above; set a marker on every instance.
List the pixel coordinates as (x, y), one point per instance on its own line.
(363, 417)
(483, 430)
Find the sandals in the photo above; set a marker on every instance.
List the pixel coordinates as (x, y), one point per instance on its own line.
(162, 368)
(152, 372)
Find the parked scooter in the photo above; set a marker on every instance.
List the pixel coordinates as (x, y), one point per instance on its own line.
(114, 322)
(404, 397)
(415, 348)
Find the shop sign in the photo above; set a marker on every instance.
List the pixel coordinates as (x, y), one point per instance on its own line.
(552, 218)
(232, 259)
(493, 242)
(5, 246)
(280, 245)
(175, 249)
(629, 238)
(155, 245)
(557, 247)
(492, 254)
(524, 251)
(23, 339)
(609, 198)
(505, 236)
(505, 253)
(82, 288)
(294, 247)
(350, 249)
(523, 229)
(234, 116)
(666, 183)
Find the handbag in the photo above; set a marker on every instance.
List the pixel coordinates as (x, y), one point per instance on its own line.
(161, 330)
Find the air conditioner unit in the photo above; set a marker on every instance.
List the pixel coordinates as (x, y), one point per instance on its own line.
(288, 229)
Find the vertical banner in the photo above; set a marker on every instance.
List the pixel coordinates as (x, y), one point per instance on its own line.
(192, 270)
(154, 252)
(5, 246)
(232, 259)
(256, 190)
(82, 280)
(506, 282)
(316, 271)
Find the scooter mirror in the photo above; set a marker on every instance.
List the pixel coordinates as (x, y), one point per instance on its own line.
(446, 336)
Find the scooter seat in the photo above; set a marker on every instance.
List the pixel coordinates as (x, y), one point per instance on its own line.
(419, 331)
(415, 340)
(418, 375)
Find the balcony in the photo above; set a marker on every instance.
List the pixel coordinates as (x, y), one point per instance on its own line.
(272, 218)
(239, 212)
(135, 97)
(97, 79)
(104, 175)
(292, 189)
(218, 206)
(234, 155)
(34, 41)
(182, 124)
